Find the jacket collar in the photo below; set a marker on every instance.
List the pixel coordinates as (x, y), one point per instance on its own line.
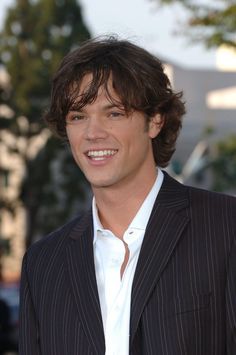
(165, 227)
(82, 282)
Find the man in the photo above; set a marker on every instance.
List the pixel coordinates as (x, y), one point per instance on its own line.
(151, 269)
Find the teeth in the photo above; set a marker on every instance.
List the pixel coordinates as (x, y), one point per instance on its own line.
(100, 153)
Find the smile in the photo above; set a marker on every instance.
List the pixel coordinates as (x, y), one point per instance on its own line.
(101, 154)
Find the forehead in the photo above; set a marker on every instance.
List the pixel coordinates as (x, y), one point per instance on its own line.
(90, 82)
(90, 89)
(85, 83)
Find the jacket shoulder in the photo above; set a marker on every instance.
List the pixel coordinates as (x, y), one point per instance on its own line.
(200, 201)
(56, 240)
(211, 197)
(216, 209)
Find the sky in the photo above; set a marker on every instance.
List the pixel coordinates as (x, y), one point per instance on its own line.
(145, 23)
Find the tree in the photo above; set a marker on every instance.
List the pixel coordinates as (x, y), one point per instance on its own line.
(224, 165)
(214, 24)
(36, 35)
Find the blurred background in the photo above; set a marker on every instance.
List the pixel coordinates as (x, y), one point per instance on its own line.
(40, 186)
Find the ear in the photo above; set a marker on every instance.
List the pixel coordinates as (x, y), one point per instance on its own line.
(155, 125)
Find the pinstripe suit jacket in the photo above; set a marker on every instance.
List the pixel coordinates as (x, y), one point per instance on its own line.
(184, 288)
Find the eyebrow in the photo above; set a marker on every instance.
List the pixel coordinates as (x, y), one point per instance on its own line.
(104, 108)
(109, 106)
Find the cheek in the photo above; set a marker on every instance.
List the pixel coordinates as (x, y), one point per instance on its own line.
(74, 145)
(68, 133)
(73, 137)
(76, 155)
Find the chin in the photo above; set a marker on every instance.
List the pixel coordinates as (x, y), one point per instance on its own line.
(101, 183)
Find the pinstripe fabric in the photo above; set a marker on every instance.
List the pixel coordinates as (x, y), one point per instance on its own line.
(184, 288)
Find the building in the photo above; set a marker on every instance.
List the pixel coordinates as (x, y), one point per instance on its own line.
(210, 97)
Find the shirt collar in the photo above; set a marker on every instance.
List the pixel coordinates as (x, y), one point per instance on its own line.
(142, 216)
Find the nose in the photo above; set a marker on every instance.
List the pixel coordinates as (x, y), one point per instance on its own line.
(95, 129)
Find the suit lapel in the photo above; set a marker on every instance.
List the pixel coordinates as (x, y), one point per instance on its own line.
(82, 280)
(165, 227)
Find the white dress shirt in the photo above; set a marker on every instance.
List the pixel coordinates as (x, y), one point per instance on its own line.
(114, 292)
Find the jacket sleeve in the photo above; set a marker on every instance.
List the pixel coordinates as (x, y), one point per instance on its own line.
(231, 302)
(28, 325)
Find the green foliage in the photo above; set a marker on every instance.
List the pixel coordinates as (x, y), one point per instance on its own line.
(36, 36)
(213, 24)
(57, 194)
(224, 166)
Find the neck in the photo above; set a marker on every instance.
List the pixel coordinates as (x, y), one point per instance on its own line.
(117, 207)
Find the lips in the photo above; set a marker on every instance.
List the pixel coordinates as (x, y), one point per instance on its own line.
(102, 154)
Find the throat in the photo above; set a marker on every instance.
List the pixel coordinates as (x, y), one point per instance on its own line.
(125, 261)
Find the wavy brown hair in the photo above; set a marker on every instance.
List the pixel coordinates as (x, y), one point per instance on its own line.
(138, 79)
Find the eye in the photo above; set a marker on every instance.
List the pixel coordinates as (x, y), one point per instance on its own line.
(73, 118)
(116, 114)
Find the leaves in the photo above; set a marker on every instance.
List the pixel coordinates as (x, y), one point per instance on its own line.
(213, 24)
(224, 165)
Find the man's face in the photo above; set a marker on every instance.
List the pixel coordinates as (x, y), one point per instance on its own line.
(111, 147)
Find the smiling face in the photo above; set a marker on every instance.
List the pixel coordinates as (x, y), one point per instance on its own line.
(113, 148)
